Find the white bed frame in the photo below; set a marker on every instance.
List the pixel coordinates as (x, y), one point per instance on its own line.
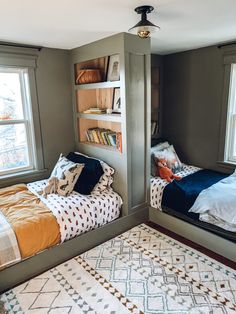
(191, 232)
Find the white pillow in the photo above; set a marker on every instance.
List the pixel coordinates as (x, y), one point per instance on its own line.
(106, 179)
(67, 173)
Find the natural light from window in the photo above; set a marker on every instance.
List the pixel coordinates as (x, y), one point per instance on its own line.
(16, 129)
(230, 141)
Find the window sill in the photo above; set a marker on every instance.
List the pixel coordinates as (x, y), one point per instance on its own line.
(226, 164)
(24, 176)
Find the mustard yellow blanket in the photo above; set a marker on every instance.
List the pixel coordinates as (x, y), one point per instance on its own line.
(34, 225)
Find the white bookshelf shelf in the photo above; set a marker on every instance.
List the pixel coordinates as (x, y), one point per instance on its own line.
(102, 117)
(98, 85)
(107, 147)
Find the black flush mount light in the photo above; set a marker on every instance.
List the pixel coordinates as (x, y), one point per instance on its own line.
(144, 28)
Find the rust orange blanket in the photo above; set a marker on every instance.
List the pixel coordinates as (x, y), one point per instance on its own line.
(33, 223)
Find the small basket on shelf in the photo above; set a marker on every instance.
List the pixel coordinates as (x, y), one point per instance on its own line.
(87, 76)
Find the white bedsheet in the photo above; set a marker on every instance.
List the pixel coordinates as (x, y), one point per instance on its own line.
(158, 185)
(76, 213)
(217, 204)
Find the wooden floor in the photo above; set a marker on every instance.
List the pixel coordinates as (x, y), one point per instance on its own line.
(195, 246)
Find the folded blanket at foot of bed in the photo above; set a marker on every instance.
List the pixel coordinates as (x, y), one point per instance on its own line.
(34, 225)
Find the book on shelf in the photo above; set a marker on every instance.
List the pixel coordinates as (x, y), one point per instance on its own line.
(119, 141)
(154, 127)
(95, 110)
(112, 139)
(104, 137)
(103, 134)
(95, 136)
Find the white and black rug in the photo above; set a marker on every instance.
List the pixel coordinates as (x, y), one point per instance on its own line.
(140, 271)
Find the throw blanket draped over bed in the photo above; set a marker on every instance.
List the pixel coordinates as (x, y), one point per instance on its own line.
(217, 204)
(181, 195)
(34, 225)
(9, 250)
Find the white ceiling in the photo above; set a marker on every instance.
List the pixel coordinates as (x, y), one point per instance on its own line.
(185, 24)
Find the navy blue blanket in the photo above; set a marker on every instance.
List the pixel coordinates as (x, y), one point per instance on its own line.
(181, 195)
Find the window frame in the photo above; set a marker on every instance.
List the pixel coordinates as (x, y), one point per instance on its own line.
(26, 59)
(27, 120)
(230, 138)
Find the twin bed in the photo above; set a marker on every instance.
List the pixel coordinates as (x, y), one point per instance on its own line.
(202, 197)
(31, 222)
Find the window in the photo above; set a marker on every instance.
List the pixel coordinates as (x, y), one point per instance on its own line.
(17, 141)
(21, 150)
(230, 140)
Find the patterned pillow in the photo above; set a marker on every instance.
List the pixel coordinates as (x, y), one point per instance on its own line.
(155, 149)
(67, 173)
(172, 158)
(106, 179)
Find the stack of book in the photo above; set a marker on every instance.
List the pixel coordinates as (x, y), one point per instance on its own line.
(95, 110)
(105, 137)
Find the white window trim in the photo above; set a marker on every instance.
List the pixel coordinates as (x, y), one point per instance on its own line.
(230, 140)
(27, 121)
(27, 59)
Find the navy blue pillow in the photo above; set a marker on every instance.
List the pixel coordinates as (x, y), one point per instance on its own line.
(90, 175)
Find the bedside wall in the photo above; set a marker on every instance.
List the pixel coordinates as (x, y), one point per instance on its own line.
(55, 103)
(193, 94)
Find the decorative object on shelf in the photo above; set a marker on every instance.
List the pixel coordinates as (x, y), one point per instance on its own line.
(113, 73)
(87, 76)
(109, 110)
(95, 110)
(144, 28)
(116, 104)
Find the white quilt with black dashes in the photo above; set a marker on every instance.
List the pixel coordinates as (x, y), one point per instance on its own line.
(158, 185)
(76, 213)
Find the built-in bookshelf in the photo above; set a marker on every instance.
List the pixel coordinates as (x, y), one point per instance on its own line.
(96, 131)
(97, 92)
(110, 82)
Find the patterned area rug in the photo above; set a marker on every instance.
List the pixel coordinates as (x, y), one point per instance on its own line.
(140, 271)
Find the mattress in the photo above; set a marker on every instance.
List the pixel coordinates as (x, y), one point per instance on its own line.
(158, 185)
(40, 223)
(177, 198)
(77, 213)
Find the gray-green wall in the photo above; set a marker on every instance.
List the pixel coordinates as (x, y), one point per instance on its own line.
(53, 84)
(193, 87)
(55, 103)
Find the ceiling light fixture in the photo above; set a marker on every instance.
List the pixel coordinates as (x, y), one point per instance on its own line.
(144, 28)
